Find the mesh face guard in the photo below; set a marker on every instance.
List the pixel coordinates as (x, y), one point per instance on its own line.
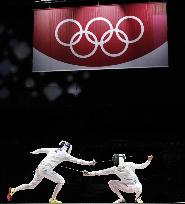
(66, 144)
(62, 143)
(115, 158)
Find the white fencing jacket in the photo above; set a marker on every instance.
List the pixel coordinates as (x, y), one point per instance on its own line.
(126, 172)
(57, 155)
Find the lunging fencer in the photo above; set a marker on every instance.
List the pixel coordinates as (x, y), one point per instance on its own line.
(46, 169)
(129, 182)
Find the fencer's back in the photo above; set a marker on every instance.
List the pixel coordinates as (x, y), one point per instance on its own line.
(54, 157)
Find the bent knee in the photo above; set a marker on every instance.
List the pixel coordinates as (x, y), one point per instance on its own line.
(61, 181)
(138, 188)
(112, 182)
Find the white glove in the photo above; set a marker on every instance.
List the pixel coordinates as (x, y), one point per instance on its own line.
(150, 157)
(86, 173)
(93, 162)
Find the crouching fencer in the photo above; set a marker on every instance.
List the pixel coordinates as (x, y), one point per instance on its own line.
(46, 169)
(129, 182)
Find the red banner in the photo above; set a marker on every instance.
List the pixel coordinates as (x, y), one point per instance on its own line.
(100, 37)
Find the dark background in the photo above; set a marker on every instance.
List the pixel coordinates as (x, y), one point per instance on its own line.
(136, 112)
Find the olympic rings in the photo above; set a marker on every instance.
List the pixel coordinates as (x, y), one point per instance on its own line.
(75, 39)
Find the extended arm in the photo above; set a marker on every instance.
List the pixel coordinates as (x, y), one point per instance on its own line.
(145, 164)
(100, 172)
(42, 150)
(78, 161)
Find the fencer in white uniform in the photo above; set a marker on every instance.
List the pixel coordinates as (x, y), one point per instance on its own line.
(46, 169)
(129, 182)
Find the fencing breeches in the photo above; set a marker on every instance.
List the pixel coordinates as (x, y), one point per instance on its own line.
(116, 186)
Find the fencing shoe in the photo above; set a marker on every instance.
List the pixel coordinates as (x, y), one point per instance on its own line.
(10, 193)
(54, 201)
(120, 200)
(139, 200)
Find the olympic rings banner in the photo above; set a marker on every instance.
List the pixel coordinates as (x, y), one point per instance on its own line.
(100, 37)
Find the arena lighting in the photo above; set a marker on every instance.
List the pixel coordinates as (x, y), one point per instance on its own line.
(55, 1)
(100, 1)
(48, 1)
(60, 3)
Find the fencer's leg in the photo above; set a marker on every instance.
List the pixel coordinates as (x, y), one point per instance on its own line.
(57, 189)
(36, 180)
(115, 186)
(138, 191)
(53, 176)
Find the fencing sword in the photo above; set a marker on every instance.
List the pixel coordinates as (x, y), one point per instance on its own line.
(84, 170)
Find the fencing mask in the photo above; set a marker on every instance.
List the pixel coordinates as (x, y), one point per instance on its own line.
(118, 158)
(66, 145)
